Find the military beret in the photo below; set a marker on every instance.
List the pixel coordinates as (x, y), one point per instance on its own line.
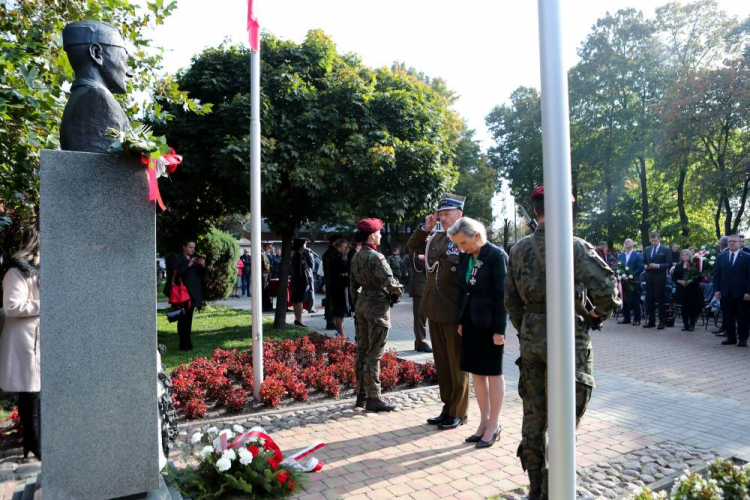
(538, 193)
(370, 225)
(88, 32)
(451, 202)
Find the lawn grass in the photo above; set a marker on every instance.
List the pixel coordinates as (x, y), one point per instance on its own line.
(160, 297)
(213, 327)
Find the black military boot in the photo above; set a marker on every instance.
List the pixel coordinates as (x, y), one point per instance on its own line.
(377, 404)
(535, 484)
(360, 404)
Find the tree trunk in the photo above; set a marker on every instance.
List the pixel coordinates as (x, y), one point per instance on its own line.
(717, 217)
(727, 216)
(279, 321)
(645, 236)
(741, 209)
(610, 210)
(506, 233)
(684, 228)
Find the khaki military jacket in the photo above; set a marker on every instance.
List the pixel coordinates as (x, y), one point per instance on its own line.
(371, 283)
(442, 288)
(526, 289)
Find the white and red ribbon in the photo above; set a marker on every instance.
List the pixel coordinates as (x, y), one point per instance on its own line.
(312, 464)
(170, 161)
(256, 433)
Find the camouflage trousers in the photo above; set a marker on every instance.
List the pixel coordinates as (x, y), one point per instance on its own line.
(371, 338)
(532, 387)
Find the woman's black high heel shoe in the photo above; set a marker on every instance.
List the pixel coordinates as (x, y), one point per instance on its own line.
(487, 444)
(473, 439)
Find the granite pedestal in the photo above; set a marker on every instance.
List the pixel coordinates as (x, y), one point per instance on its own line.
(98, 328)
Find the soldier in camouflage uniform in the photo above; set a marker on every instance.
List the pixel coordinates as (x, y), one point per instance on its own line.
(397, 264)
(374, 290)
(525, 300)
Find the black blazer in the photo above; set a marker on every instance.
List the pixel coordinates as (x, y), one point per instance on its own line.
(192, 276)
(484, 301)
(732, 281)
(662, 257)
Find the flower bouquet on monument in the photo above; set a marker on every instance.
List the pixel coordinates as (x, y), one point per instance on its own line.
(626, 282)
(235, 461)
(159, 159)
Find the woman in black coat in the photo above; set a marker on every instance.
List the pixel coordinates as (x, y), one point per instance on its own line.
(339, 282)
(688, 293)
(300, 277)
(482, 320)
(188, 268)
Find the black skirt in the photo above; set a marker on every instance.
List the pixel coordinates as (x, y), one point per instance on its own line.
(479, 354)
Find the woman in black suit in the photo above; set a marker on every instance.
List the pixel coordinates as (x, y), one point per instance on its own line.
(339, 269)
(688, 292)
(482, 320)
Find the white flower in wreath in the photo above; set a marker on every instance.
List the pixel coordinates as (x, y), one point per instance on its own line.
(206, 451)
(238, 428)
(713, 258)
(196, 438)
(631, 276)
(246, 457)
(627, 268)
(223, 464)
(212, 430)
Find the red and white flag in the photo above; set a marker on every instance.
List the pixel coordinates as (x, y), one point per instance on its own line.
(253, 28)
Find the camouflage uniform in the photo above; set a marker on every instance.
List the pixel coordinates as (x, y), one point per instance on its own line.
(371, 273)
(525, 300)
(397, 266)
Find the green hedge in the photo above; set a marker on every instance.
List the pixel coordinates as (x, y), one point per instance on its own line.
(221, 251)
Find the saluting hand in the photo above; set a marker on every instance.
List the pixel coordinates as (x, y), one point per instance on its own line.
(498, 339)
(430, 221)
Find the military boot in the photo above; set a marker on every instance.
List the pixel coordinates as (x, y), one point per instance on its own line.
(535, 484)
(377, 404)
(360, 404)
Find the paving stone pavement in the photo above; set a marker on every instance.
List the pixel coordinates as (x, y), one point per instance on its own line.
(659, 394)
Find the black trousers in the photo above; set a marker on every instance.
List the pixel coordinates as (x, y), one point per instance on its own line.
(632, 302)
(28, 412)
(267, 304)
(656, 284)
(735, 318)
(185, 329)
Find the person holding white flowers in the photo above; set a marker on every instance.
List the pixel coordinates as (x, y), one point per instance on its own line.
(632, 261)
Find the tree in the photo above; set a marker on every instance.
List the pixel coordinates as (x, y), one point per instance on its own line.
(339, 141)
(516, 129)
(34, 70)
(476, 180)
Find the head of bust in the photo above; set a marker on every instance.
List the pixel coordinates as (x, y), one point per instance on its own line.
(96, 51)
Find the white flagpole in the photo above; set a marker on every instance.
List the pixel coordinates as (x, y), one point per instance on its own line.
(559, 235)
(255, 228)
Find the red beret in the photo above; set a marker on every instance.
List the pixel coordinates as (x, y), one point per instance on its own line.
(539, 193)
(370, 225)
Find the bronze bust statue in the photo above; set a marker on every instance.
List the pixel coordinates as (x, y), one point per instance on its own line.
(97, 53)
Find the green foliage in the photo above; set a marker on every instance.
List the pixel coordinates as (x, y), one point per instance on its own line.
(733, 480)
(476, 180)
(659, 113)
(221, 252)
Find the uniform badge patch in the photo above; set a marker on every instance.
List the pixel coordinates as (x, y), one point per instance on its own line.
(452, 249)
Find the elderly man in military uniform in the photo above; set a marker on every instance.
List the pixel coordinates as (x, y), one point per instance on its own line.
(440, 305)
(525, 300)
(97, 53)
(374, 290)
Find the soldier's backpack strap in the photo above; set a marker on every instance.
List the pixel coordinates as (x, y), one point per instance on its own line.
(538, 252)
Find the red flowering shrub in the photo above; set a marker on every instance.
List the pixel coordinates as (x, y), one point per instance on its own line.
(235, 400)
(409, 373)
(15, 418)
(271, 391)
(389, 371)
(292, 368)
(195, 408)
(429, 373)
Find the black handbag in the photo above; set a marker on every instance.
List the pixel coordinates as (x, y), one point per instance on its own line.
(669, 316)
(174, 315)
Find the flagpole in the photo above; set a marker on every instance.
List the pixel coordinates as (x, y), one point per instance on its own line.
(559, 230)
(255, 227)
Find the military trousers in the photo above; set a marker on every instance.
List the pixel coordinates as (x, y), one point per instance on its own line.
(420, 324)
(532, 387)
(453, 382)
(371, 338)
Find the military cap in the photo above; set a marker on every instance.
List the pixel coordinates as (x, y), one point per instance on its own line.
(88, 32)
(370, 225)
(451, 202)
(539, 193)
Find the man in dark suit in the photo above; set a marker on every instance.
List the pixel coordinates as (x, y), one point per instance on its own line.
(732, 285)
(742, 244)
(657, 260)
(633, 261)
